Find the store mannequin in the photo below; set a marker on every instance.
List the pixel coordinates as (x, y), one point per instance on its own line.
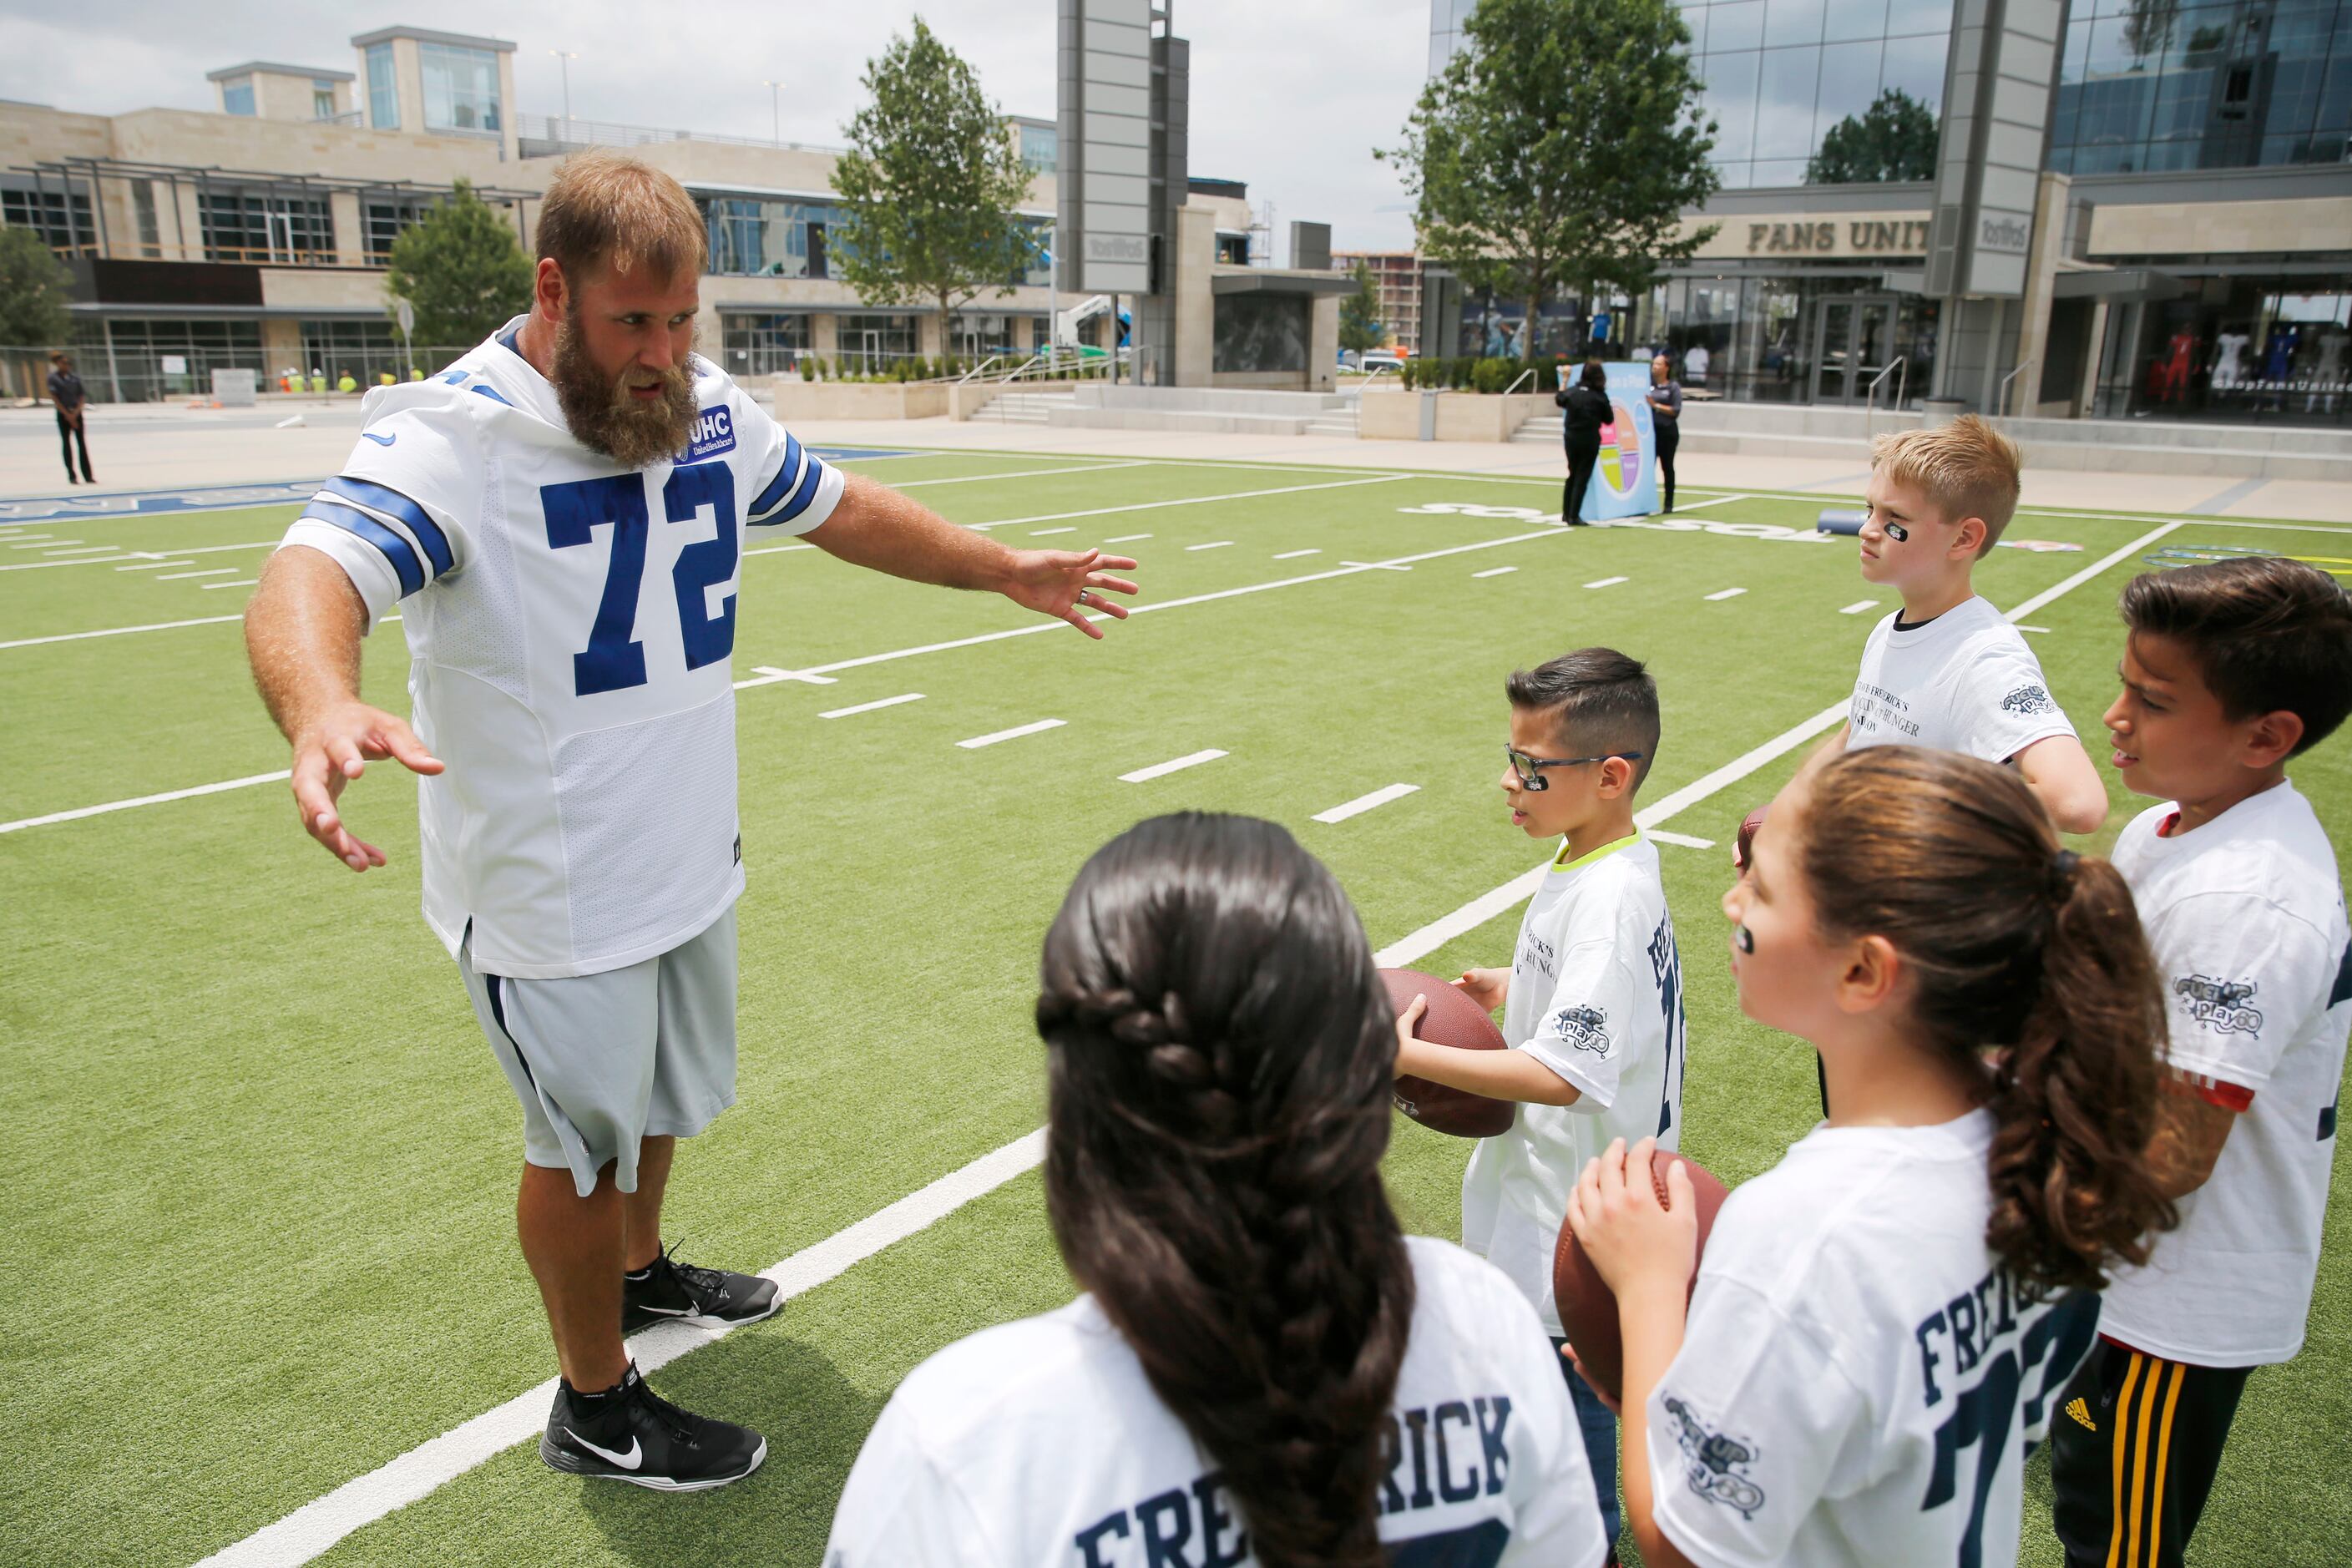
(2229, 359)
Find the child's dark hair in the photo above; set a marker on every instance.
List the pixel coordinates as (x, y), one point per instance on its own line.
(1219, 1051)
(1598, 699)
(2267, 634)
(2027, 962)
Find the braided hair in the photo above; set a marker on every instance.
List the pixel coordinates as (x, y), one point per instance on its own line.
(1219, 1051)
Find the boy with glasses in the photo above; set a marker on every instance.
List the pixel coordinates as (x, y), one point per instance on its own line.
(1592, 1002)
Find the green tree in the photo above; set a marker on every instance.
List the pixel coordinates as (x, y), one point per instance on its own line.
(1894, 138)
(33, 284)
(1359, 312)
(929, 182)
(1560, 147)
(462, 269)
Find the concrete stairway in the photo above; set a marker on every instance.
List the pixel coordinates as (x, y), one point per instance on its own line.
(1208, 411)
(1026, 407)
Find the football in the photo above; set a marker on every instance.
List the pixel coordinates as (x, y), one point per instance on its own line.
(1746, 841)
(1453, 1020)
(1588, 1309)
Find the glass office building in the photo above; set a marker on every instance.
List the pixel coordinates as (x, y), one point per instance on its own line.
(2198, 158)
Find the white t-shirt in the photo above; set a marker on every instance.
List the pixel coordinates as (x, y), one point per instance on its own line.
(1041, 1444)
(1963, 682)
(1860, 1381)
(1597, 996)
(2246, 918)
(569, 625)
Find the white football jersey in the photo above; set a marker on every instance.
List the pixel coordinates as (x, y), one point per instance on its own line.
(2246, 918)
(1862, 1379)
(568, 626)
(1962, 682)
(1596, 997)
(1041, 1444)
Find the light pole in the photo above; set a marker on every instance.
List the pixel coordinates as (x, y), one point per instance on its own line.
(775, 113)
(565, 58)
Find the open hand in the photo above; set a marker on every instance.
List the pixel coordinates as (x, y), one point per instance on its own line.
(1632, 1241)
(1490, 988)
(335, 750)
(1069, 584)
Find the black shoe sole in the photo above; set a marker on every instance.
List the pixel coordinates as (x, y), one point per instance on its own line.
(637, 1319)
(571, 1464)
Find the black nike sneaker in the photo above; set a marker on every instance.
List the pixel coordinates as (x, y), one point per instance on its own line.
(672, 1291)
(633, 1435)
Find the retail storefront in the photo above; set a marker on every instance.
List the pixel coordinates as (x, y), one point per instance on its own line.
(2230, 347)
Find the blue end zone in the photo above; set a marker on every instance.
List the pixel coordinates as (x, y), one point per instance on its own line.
(850, 454)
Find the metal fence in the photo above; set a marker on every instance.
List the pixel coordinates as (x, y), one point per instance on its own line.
(547, 135)
(153, 375)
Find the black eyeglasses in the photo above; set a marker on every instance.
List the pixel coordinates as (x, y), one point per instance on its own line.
(1529, 768)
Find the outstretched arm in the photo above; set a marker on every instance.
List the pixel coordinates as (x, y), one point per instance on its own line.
(875, 526)
(302, 634)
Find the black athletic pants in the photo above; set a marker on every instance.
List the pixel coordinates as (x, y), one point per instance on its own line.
(71, 435)
(2134, 1444)
(1583, 456)
(1670, 435)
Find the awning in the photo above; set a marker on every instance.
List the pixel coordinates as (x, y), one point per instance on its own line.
(2118, 285)
(1266, 280)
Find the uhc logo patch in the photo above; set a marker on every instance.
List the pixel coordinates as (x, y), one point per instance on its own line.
(713, 433)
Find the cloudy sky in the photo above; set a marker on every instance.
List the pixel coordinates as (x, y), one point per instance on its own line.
(1290, 96)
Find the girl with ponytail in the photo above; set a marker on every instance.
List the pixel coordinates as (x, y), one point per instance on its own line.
(1264, 1369)
(1884, 1320)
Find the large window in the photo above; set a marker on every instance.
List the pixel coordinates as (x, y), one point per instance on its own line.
(1780, 73)
(237, 95)
(382, 93)
(1041, 148)
(757, 236)
(764, 345)
(1034, 262)
(384, 217)
(870, 343)
(461, 88)
(141, 348)
(260, 224)
(2158, 84)
(61, 218)
(323, 100)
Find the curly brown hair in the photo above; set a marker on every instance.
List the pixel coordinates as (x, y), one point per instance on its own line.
(1220, 1053)
(2028, 961)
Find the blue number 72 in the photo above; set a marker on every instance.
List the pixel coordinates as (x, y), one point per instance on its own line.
(614, 659)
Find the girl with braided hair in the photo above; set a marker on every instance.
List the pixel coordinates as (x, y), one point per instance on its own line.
(1884, 1321)
(1264, 1370)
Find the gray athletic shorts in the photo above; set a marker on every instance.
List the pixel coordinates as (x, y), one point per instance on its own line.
(601, 1061)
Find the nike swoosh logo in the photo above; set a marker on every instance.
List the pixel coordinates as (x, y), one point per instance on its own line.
(628, 1461)
(669, 1312)
(379, 440)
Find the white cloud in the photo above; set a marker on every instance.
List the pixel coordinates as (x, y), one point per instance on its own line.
(1290, 97)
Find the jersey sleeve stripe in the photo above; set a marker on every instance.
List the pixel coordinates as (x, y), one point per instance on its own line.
(393, 504)
(773, 496)
(394, 549)
(812, 475)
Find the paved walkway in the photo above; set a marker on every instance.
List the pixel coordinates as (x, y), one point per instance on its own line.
(158, 446)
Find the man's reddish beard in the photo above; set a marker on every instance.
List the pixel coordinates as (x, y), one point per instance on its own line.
(602, 415)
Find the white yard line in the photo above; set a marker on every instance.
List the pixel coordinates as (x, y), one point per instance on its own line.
(1213, 545)
(80, 812)
(1608, 581)
(1683, 840)
(1024, 474)
(234, 583)
(870, 706)
(1297, 554)
(1364, 803)
(79, 549)
(1160, 770)
(209, 571)
(1858, 606)
(1042, 533)
(2044, 630)
(152, 565)
(32, 539)
(1012, 734)
(1194, 500)
(1377, 565)
(1493, 571)
(317, 1526)
(114, 554)
(1727, 594)
(1125, 538)
(124, 631)
(769, 675)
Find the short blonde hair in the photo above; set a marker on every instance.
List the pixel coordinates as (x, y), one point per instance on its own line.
(1965, 468)
(607, 209)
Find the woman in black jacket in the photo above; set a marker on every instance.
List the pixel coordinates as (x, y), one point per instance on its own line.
(1587, 403)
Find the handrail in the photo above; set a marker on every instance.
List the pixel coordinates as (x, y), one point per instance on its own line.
(1901, 384)
(974, 372)
(1527, 374)
(2001, 400)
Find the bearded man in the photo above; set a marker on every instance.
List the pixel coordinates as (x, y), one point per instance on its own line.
(562, 514)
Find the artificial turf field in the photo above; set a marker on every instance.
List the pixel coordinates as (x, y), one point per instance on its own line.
(261, 1163)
